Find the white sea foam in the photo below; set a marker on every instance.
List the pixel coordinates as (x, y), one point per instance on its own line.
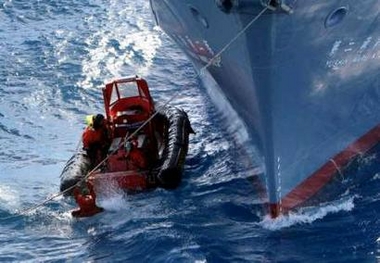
(307, 215)
(9, 198)
(376, 176)
(136, 45)
(111, 198)
(114, 203)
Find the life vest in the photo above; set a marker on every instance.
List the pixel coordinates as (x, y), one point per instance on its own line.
(135, 156)
(96, 143)
(94, 138)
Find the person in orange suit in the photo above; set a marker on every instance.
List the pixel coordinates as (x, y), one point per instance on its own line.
(96, 139)
(135, 156)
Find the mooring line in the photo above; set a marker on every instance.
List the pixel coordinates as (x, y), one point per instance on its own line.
(126, 138)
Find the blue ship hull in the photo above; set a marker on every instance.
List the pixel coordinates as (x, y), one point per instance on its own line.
(302, 79)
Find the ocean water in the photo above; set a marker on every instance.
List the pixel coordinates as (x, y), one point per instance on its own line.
(54, 58)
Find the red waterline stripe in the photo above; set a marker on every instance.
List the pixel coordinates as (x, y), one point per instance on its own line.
(323, 175)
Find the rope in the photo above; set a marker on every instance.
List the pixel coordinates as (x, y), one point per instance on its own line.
(127, 137)
(337, 168)
(232, 40)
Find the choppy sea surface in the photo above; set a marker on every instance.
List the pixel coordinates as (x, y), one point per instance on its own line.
(54, 58)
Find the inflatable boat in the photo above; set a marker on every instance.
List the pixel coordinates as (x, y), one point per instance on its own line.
(146, 147)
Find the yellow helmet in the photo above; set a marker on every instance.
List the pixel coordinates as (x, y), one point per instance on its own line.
(89, 120)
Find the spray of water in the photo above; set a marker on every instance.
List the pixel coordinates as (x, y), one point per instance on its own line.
(307, 215)
(110, 196)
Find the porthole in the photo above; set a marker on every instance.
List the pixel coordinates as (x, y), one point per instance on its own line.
(224, 5)
(336, 16)
(198, 16)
